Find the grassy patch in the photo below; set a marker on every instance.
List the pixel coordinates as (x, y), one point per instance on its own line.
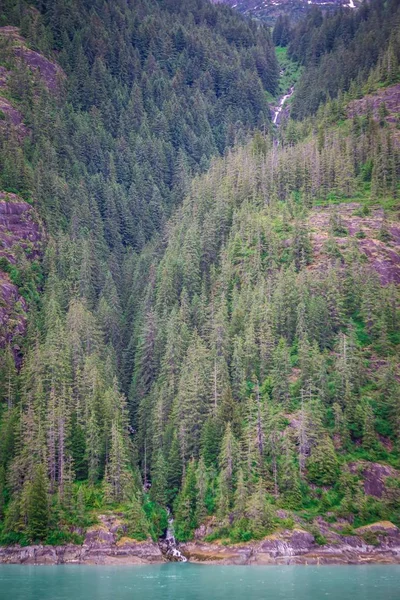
(291, 71)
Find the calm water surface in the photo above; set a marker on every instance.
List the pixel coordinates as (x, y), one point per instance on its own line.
(199, 582)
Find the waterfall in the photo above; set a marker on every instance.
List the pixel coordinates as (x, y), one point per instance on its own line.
(280, 106)
(168, 544)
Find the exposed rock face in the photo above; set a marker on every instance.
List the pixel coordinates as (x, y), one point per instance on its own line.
(374, 476)
(299, 547)
(101, 546)
(383, 256)
(49, 72)
(19, 228)
(390, 97)
(11, 118)
(20, 232)
(130, 552)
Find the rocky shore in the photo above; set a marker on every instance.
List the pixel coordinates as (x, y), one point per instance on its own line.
(299, 547)
(377, 543)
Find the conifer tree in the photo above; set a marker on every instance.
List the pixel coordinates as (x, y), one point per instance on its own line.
(202, 484)
(138, 527)
(289, 480)
(38, 506)
(259, 512)
(174, 470)
(323, 464)
(118, 479)
(369, 438)
(186, 504)
(227, 461)
(280, 374)
(159, 480)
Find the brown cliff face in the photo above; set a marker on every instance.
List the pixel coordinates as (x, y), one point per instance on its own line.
(21, 233)
(107, 544)
(11, 120)
(372, 103)
(299, 547)
(374, 476)
(48, 71)
(382, 252)
(21, 240)
(20, 228)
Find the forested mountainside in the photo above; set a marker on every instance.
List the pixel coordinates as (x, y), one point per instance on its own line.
(343, 50)
(269, 11)
(107, 109)
(153, 90)
(213, 315)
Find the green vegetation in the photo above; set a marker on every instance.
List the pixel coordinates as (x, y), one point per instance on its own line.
(290, 70)
(365, 41)
(192, 343)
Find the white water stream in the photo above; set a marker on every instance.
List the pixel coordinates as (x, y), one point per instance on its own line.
(171, 549)
(279, 108)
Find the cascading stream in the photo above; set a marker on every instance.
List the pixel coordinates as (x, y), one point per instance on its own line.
(168, 545)
(279, 108)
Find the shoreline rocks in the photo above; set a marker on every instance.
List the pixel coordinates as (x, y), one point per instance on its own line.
(128, 552)
(288, 547)
(299, 547)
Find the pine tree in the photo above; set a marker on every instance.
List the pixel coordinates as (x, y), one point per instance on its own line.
(368, 436)
(174, 470)
(323, 466)
(280, 374)
(194, 397)
(8, 378)
(186, 504)
(138, 527)
(202, 484)
(227, 462)
(2, 490)
(289, 480)
(38, 506)
(240, 496)
(118, 479)
(259, 512)
(158, 490)
(78, 449)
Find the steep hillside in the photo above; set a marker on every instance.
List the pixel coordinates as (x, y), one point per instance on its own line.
(21, 231)
(107, 110)
(213, 325)
(270, 10)
(343, 50)
(268, 351)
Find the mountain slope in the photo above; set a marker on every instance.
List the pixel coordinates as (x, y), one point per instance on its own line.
(268, 351)
(224, 346)
(270, 10)
(342, 51)
(104, 122)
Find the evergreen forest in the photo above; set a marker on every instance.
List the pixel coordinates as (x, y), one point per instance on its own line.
(210, 327)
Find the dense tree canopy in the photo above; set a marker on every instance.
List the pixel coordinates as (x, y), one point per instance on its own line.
(190, 344)
(341, 49)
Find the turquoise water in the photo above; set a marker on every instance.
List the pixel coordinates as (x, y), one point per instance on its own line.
(199, 582)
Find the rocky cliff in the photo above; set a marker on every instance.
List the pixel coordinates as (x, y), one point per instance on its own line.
(21, 241)
(21, 232)
(103, 544)
(298, 546)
